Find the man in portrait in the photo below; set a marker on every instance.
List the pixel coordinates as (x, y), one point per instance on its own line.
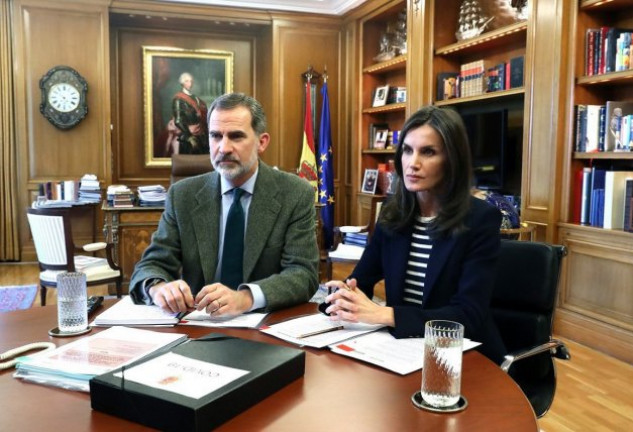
(190, 113)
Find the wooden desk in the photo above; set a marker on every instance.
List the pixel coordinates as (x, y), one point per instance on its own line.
(130, 230)
(336, 392)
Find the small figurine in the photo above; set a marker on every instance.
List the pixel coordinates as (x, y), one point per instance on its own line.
(386, 49)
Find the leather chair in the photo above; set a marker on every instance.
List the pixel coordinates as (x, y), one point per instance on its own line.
(523, 305)
(186, 165)
(56, 252)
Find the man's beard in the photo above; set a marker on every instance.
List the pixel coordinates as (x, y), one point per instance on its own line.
(236, 171)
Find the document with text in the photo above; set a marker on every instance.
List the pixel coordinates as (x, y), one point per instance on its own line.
(380, 348)
(126, 313)
(317, 330)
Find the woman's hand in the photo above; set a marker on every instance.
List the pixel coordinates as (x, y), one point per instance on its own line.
(350, 304)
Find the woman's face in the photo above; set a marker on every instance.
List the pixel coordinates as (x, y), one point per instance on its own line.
(423, 160)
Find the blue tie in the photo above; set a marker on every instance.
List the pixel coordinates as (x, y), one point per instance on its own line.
(233, 252)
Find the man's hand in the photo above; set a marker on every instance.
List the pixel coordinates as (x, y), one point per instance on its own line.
(172, 296)
(220, 300)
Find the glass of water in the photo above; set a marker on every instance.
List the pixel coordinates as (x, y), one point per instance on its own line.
(72, 313)
(442, 370)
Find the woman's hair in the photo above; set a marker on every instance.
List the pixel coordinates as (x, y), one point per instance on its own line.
(453, 197)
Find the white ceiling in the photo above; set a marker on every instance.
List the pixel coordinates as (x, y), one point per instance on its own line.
(330, 7)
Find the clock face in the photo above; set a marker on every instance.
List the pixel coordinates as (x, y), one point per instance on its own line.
(63, 97)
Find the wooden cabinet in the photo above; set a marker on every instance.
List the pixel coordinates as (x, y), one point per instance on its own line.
(596, 301)
(378, 115)
(130, 230)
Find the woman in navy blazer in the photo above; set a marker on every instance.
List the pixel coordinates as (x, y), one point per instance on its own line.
(455, 282)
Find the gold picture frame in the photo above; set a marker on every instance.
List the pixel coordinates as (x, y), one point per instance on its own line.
(163, 69)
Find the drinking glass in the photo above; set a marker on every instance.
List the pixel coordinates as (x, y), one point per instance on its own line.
(72, 313)
(442, 370)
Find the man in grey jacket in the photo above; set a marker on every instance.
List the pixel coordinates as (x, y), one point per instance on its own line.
(182, 268)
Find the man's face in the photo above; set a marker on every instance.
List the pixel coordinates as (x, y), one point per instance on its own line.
(234, 144)
(187, 82)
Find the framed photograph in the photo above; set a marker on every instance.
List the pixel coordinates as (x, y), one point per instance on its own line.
(178, 87)
(370, 180)
(380, 97)
(380, 141)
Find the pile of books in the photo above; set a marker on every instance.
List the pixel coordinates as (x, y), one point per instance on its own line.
(89, 189)
(356, 238)
(151, 196)
(120, 196)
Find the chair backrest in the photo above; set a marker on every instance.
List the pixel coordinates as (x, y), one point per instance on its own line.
(523, 305)
(186, 165)
(52, 238)
(525, 292)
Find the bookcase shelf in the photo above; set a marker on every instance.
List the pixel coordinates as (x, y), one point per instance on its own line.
(519, 91)
(500, 37)
(596, 256)
(396, 63)
(387, 151)
(611, 78)
(604, 155)
(387, 108)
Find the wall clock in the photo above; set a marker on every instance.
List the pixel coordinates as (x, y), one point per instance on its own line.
(63, 97)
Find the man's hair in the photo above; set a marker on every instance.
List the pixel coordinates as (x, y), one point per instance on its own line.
(183, 75)
(231, 101)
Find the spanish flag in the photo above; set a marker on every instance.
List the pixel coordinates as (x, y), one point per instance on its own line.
(307, 164)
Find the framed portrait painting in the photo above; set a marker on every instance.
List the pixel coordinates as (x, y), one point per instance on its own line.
(178, 87)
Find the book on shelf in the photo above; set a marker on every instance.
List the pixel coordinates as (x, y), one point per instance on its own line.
(581, 128)
(516, 71)
(585, 204)
(614, 195)
(593, 128)
(616, 111)
(596, 207)
(628, 205)
(73, 365)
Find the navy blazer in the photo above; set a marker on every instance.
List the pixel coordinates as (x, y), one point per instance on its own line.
(459, 278)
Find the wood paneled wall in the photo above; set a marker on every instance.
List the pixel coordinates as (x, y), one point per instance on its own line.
(102, 39)
(48, 34)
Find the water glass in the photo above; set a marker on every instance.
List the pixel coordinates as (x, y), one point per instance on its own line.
(442, 370)
(72, 313)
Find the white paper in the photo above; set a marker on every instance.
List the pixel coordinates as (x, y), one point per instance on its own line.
(288, 330)
(125, 312)
(182, 375)
(202, 318)
(402, 356)
(345, 251)
(352, 228)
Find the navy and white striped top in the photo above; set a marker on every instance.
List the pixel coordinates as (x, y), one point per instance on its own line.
(418, 261)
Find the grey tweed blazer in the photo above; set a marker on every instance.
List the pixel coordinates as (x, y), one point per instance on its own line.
(281, 253)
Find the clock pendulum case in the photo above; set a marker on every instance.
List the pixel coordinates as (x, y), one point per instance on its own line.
(63, 97)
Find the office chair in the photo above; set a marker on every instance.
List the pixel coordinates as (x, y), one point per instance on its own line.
(349, 253)
(523, 305)
(56, 251)
(187, 165)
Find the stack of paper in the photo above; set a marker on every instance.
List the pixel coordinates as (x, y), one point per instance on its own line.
(71, 366)
(126, 313)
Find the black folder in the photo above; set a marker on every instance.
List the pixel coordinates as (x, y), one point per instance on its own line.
(271, 368)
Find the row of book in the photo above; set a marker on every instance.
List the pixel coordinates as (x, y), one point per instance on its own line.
(607, 49)
(66, 193)
(476, 78)
(603, 198)
(601, 128)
